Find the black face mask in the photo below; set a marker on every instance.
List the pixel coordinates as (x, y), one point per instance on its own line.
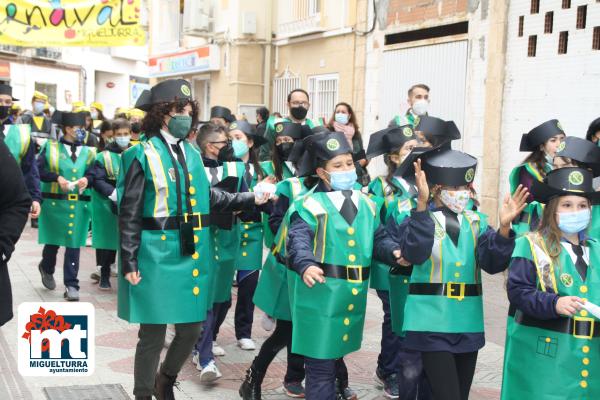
(284, 150)
(299, 112)
(136, 127)
(226, 153)
(4, 111)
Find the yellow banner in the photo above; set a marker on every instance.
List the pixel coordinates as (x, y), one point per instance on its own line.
(58, 23)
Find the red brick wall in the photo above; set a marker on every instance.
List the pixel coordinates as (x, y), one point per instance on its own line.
(418, 11)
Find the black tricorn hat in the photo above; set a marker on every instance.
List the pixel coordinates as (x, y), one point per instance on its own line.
(318, 130)
(389, 139)
(321, 148)
(449, 167)
(569, 181)
(249, 131)
(64, 118)
(298, 149)
(291, 129)
(531, 141)
(406, 169)
(222, 112)
(432, 127)
(582, 151)
(164, 92)
(7, 89)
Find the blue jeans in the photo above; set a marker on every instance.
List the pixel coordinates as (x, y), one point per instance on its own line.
(320, 379)
(388, 361)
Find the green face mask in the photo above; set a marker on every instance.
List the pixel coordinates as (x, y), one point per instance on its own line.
(180, 125)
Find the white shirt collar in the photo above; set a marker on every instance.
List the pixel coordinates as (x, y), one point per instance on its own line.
(168, 137)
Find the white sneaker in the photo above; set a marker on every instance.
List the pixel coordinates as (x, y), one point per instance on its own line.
(195, 357)
(246, 344)
(113, 270)
(267, 323)
(217, 350)
(95, 276)
(210, 373)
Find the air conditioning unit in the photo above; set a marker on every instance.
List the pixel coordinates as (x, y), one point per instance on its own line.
(196, 18)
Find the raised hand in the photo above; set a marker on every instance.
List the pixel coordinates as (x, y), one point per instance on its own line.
(422, 186)
(512, 206)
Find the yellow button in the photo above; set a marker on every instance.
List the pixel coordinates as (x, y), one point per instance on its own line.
(244, 254)
(352, 257)
(195, 272)
(245, 235)
(246, 226)
(191, 177)
(70, 232)
(244, 243)
(583, 313)
(350, 307)
(196, 239)
(350, 231)
(193, 202)
(346, 321)
(192, 190)
(351, 243)
(585, 349)
(583, 384)
(548, 340)
(585, 373)
(53, 203)
(70, 224)
(585, 361)
(195, 256)
(456, 275)
(196, 291)
(72, 207)
(583, 289)
(71, 215)
(458, 264)
(216, 257)
(216, 248)
(406, 281)
(345, 338)
(74, 170)
(163, 237)
(354, 291)
(73, 179)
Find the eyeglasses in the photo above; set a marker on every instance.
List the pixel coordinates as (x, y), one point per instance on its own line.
(220, 142)
(304, 104)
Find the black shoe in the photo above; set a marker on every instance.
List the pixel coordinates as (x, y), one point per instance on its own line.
(390, 384)
(344, 392)
(105, 279)
(250, 389)
(34, 223)
(163, 386)
(47, 279)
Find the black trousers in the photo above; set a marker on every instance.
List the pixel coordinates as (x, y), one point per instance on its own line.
(70, 264)
(104, 258)
(244, 307)
(450, 375)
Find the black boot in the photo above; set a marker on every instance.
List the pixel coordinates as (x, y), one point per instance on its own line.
(163, 386)
(250, 389)
(104, 278)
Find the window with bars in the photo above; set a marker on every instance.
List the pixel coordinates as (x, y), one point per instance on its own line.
(548, 22)
(535, 6)
(323, 91)
(282, 86)
(596, 38)
(521, 23)
(581, 17)
(566, 4)
(532, 46)
(563, 41)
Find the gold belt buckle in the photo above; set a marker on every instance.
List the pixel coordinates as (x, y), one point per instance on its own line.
(451, 288)
(360, 273)
(72, 197)
(198, 226)
(583, 319)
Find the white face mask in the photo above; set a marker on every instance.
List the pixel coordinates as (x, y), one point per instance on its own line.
(38, 107)
(94, 114)
(455, 200)
(420, 107)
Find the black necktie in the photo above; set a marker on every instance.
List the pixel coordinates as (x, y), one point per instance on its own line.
(248, 176)
(580, 263)
(73, 152)
(178, 153)
(214, 175)
(452, 225)
(348, 209)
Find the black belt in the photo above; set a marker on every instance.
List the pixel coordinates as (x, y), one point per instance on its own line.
(580, 327)
(172, 223)
(350, 273)
(401, 270)
(453, 290)
(70, 196)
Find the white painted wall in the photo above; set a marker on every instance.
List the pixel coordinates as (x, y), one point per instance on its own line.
(118, 96)
(549, 85)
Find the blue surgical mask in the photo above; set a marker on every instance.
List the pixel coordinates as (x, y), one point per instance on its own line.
(123, 141)
(574, 222)
(240, 148)
(80, 133)
(38, 107)
(342, 118)
(598, 142)
(343, 180)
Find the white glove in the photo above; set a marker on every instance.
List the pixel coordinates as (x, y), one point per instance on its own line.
(113, 196)
(72, 186)
(264, 187)
(591, 308)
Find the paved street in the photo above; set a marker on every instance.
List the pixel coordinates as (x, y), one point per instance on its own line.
(116, 339)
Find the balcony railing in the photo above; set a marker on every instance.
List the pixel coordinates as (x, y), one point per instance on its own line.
(5, 48)
(51, 53)
(299, 17)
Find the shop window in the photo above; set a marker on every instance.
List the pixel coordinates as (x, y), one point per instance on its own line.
(323, 91)
(549, 22)
(563, 42)
(532, 46)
